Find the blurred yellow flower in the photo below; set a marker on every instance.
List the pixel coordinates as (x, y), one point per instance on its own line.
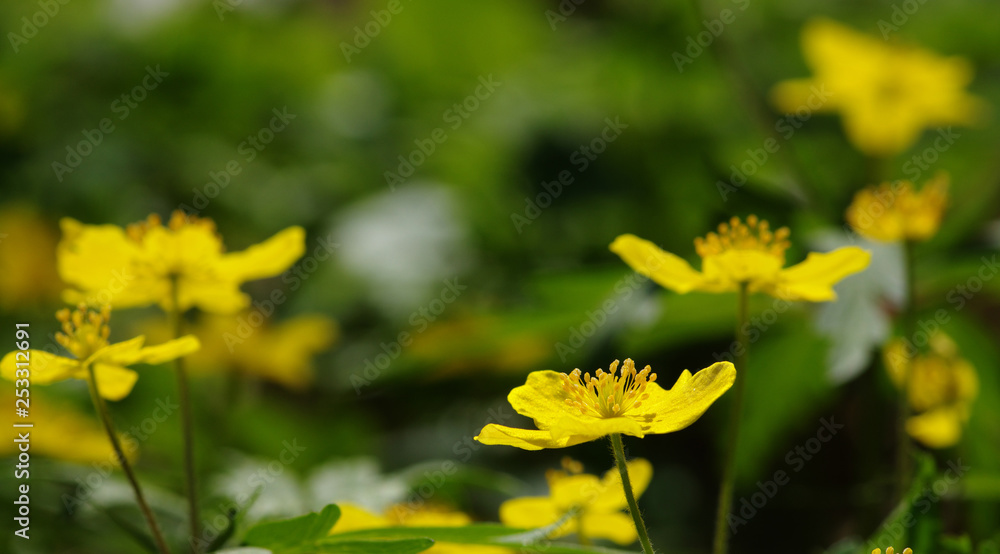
(744, 253)
(890, 551)
(572, 409)
(281, 353)
(886, 93)
(138, 266)
(85, 336)
(27, 246)
(941, 386)
(599, 504)
(896, 211)
(54, 424)
(354, 518)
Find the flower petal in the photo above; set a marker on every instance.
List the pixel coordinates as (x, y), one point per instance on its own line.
(114, 382)
(938, 428)
(157, 354)
(531, 512)
(355, 518)
(813, 279)
(690, 396)
(212, 296)
(594, 428)
(611, 495)
(266, 259)
(543, 399)
(527, 439)
(44, 367)
(614, 526)
(666, 269)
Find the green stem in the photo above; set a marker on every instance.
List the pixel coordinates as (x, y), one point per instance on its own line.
(720, 544)
(187, 426)
(633, 507)
(903, 469)
(109, 427)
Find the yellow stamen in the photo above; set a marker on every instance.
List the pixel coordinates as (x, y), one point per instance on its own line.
(607, 395)
(84, 331)
(178, 220)
(755, 234)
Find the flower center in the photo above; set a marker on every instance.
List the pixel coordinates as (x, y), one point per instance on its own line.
(607, 394)
(755, 236)
(84, 331)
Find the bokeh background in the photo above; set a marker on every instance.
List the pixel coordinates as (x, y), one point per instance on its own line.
(415, 148)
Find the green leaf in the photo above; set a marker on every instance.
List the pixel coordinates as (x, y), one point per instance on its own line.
(297, 531)
(401, 546)
(487, 534)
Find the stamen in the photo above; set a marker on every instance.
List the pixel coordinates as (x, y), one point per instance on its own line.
(754, 235)
(84, 331)
(608, 395)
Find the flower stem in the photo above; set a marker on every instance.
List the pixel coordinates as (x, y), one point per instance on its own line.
(721, 541)
(909, 324)
(633, 507)
(187, 427)
(109, 427)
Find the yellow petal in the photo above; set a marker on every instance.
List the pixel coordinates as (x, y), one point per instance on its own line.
(664, 268)
(611, 495)
(614, 526)
(210, 295)
(119, 353)
(531, 512)
(569, 491)
(45, 368)
(167, 351)
(267, 259)
(938, 428)
(593, 428)
(354, 518)
(114, 382)
(813, 279)
(675, 409)
(543, 399)
(99, 261)
(527, 439)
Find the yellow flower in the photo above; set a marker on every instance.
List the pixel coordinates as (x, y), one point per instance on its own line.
(891, 551)
(137, 266)
(896, 211)
(54, 423)
(573, 409)
(886, 93)
(26, 244)
(940, 388)
(354, 518)
(281, 353)
(85, 336)
(599, 504)
(744, 253)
